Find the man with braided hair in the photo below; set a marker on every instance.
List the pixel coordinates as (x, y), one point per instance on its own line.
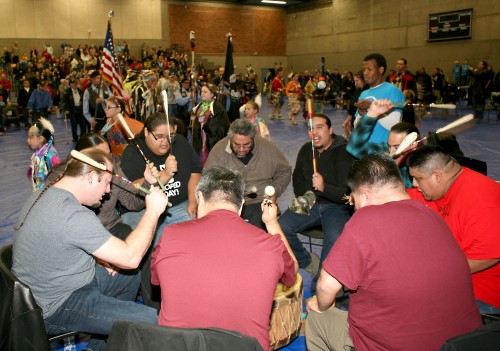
(58, 241)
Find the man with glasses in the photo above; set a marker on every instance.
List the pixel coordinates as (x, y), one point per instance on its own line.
(328, 181)
(180, 170)
(258, 160)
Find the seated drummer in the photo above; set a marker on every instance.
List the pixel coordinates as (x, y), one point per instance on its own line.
(410, 282)
(219, 271)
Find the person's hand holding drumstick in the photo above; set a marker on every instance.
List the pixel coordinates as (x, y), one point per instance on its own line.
(170, 167)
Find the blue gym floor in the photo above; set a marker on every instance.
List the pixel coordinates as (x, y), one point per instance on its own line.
(481, 140)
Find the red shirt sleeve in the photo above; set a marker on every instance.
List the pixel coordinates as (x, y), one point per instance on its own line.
(288, 277)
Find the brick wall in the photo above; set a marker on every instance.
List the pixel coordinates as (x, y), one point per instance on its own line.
(254, 30)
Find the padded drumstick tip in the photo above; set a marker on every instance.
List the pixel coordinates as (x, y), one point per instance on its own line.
(85, 159)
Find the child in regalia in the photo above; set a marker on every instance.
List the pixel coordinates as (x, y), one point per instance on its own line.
(252, 114)
(41, 139)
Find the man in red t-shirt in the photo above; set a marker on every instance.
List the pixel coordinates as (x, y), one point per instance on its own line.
(469, 203)
(219, 271)
(410, 284)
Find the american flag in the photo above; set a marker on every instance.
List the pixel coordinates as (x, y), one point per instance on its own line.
(109, 65)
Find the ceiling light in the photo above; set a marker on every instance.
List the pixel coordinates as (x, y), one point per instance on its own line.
(276, 2)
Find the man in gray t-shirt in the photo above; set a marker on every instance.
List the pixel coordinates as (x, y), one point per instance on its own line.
(58, 242)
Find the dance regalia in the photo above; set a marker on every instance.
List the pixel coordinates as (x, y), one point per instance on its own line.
(116, 136)
(143, 101)
(42, 162)
(261, 127)
(294, 93)
(210, 125)
(277, 89)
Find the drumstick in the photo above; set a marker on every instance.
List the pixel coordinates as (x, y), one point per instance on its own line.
(131, 137)
(407, 141)
(444, 106)
(165, 107)
(85, 159)
(251, 192)
(310, 113)
(454, 124)
(136, 185)
(269, 191)
(449, 126)
(432, 105)
(125, 126)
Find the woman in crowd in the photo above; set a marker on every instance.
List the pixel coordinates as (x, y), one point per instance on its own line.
(348, 88)
(359, 83)
(114, 131)
(211, 123)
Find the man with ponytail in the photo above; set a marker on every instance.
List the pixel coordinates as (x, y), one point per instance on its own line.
(58, 240)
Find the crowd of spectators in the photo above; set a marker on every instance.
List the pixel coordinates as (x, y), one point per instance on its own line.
(76, 63)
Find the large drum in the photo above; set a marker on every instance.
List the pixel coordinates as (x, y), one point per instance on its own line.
(286, 314)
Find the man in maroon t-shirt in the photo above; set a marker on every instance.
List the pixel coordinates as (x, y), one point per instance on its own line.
(410, 283)
(219, 271)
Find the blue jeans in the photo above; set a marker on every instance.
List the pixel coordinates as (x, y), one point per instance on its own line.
(485, 308)
(94, 307)
(331, 217)
(176, 214)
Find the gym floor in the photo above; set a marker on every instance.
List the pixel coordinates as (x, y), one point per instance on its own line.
(480, 139)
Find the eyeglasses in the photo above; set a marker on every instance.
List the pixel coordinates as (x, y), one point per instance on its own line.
(110, 107)
(246, 146)
(163, 137)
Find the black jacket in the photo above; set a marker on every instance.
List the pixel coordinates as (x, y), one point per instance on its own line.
(130, 336)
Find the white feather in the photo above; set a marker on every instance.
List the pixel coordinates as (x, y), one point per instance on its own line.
(46, 124)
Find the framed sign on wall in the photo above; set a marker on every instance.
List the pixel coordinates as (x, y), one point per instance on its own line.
(451, 25)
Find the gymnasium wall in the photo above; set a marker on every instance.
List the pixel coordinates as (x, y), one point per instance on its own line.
(348, 30)
(343, 32)
(58, 20)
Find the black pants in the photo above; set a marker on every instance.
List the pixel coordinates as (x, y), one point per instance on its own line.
(99, 125)
(76, 119)
(253, 215)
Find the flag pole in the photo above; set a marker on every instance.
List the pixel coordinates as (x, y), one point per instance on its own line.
(192, 41)
(228, 69)
(110, 67)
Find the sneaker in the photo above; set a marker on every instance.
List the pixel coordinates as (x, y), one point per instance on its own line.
(280, 117)
(313, 267)
(271, 116)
